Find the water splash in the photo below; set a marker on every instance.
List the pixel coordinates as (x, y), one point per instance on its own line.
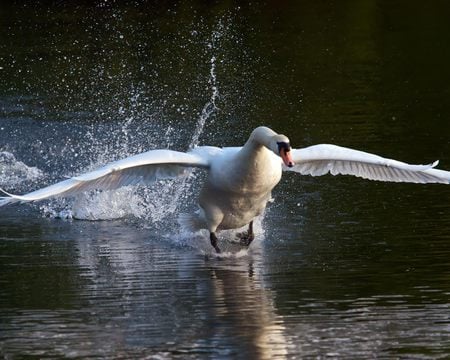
(14, 173)
(228, 241)
(123, 117)
(199, 241)
(152, 204)
(209, 108)
(185, 184)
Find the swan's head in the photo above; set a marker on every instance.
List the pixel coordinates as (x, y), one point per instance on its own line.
(280, 146)
(278, 143)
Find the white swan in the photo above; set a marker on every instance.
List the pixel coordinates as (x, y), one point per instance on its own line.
(240, 179)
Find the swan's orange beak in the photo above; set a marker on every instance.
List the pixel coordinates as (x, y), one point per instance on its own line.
(286, 157)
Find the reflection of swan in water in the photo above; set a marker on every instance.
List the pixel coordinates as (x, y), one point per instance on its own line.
(130, 297)
(244, 312)
(240, 180)
(217, 305)
(221, 305)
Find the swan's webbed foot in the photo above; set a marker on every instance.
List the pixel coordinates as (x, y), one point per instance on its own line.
(213, 238)
(246, 237)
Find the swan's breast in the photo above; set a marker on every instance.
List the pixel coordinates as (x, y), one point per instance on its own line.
(243, 176)
(237, 191)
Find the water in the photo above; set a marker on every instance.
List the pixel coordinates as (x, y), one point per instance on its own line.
(341, 267)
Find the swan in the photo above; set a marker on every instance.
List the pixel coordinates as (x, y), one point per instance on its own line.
(240, 179)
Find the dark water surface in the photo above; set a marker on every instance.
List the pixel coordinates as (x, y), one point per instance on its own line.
(342, 267)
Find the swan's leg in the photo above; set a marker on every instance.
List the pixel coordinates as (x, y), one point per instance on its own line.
(213, 216)
(247, 237)
(251, 234)
(213, 238)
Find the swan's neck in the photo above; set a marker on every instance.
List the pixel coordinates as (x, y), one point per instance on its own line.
(260, 137)
(257, 148)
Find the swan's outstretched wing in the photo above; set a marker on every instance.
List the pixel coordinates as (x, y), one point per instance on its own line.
(321, 159)
(143, 168)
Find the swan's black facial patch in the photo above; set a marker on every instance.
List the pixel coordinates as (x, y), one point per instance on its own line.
(283, 146)
(284, 150)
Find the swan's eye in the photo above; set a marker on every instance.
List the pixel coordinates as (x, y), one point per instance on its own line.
(283, 146)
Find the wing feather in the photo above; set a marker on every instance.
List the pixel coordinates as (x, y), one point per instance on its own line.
(139, 169)
(321, 159)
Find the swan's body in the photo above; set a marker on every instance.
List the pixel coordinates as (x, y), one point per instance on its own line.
(239, 185)
(240, 180)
